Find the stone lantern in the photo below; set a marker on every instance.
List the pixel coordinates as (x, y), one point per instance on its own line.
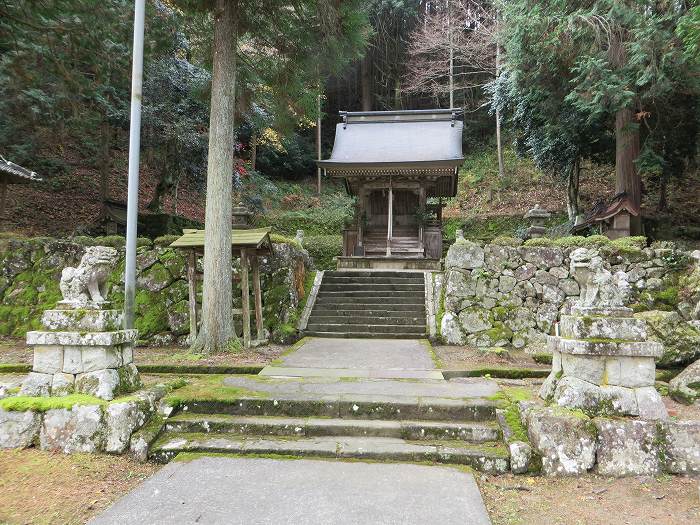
(537, 217)
(241, 217)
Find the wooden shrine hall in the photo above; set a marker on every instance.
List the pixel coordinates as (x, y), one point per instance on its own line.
(400, 165)
(247, 244)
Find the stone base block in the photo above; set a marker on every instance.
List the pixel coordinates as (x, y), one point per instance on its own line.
(82, 320)
(607, 400)
(619, 328)
(37, 384)
(109, 382)
(627, 448)
(601, 311)
(18, 429)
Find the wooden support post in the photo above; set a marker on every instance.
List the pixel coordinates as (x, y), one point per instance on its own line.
(245, 296)
(3, 198)
(192, 289)
(257, 292)
(422, 205)
(390, 221)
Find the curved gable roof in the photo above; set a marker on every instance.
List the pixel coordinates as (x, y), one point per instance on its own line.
(427, 138)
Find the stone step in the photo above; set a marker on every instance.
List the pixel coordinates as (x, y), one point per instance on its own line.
(362, 335)
(354, 406)
(368, 302)
(371, 293)
(374, 287)
(409, 319)
(491, 458)
(418, 279)
(315, 427)
(378, 310)
(371, 328)
(373, 273)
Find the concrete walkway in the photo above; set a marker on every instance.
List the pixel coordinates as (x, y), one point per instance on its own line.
(221, 490)
(369, 358)
(344, 377)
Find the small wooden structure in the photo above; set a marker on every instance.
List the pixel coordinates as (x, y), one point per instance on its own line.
(11, 173)
(249, 245)
(393, 162)
(612, 218)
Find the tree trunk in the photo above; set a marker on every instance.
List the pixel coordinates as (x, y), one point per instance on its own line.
(499, 146)
(217, 332)
(572, 191)
(626, 152)
(365, 83)
(663, 193)
(105, 161)
(253, 150)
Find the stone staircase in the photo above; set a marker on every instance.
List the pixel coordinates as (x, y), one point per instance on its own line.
(381, 304)
(404, 243)
(361, 426)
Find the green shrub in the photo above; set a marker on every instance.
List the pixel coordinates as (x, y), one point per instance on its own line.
(143, 241)
(281, 239)
(115, 241)
(570, 241)
(595, 241)
(540, 241)
(504, 240)
(165, 240)
(323, 248)
(630, 243)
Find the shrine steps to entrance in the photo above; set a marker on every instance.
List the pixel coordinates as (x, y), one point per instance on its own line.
(380, 304)
(395, 263)
(363, 427)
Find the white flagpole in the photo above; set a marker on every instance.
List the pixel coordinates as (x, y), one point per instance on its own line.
(132, 210)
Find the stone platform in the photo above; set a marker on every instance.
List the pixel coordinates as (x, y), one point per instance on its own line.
(347, 398)
(82, 350)
(603, 365)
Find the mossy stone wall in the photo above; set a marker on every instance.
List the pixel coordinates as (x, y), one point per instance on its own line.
(30, 271)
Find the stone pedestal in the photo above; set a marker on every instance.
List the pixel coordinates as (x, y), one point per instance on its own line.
(603, 365)
(82, 351)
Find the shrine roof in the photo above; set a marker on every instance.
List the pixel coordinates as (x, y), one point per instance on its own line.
(258, 238)
(397, 139)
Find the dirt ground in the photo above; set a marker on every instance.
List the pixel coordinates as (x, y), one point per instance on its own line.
(591, 500)
(43, 488)
(13, 350)
(465, 357)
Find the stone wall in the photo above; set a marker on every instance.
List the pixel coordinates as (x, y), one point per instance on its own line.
(30, 270)
(568, 443)
(497, 295)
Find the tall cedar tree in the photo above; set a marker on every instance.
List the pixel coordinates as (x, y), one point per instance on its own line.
(305, 33)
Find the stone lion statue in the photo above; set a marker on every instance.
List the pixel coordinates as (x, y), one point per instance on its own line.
(87, 284)
(599, 287)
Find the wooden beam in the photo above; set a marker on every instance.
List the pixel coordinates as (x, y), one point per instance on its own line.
(257, 291)
(192, 289)
(245, 297)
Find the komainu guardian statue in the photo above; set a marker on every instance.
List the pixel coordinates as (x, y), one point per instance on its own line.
(86, 285)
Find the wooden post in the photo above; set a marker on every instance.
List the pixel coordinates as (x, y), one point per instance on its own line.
(421, 205)
(257, 292)
(245, 296)
(192, 289)
(390, 221)
(3, 197)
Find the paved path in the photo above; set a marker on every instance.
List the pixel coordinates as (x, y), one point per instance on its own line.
(375, 358)
(213, 490)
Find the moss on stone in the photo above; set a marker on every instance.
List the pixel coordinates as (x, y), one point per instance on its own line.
(542, 358)
(210, 388)
(43, 404)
